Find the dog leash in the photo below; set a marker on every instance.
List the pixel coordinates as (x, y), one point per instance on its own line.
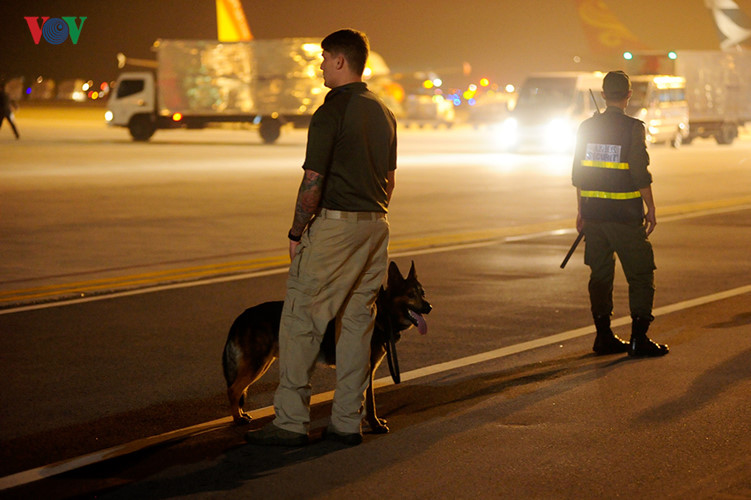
(391, 357)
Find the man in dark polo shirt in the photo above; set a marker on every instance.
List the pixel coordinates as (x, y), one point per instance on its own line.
(338, 247)
(613, 185)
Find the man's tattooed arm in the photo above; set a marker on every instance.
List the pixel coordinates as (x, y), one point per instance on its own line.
(308, 198)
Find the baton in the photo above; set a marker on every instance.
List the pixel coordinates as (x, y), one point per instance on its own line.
(594, 101)
(581, 235)
(571, 250)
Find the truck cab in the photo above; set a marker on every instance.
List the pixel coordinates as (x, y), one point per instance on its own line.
(549, 109)
(660, 102)
(133, 104)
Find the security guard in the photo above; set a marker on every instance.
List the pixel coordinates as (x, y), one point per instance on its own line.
(612, 185)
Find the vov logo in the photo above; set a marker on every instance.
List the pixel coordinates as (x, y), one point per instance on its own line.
(55, 30)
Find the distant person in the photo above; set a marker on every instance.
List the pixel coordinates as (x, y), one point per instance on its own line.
(338, 246)
(613, 185)
(6, 109)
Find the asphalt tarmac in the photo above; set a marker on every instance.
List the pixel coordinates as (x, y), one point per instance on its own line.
(552, 422)
(542, 419)
(502, 398)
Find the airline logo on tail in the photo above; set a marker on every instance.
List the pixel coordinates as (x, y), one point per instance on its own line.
(733, 25)
(231, 25)
(605, 32)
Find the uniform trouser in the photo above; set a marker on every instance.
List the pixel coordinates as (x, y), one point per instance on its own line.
(9, 117)
(629, 241)
(337, 272)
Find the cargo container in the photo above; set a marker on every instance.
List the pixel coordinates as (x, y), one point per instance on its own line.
(195, 83)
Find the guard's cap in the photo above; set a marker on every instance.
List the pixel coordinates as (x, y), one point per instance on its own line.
(616, 84)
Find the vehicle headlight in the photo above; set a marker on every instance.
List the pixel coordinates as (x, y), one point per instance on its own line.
(510, 125)
(108, 115)
(508, 135)
(559, 135)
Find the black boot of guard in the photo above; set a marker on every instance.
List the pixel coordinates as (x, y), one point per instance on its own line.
(641, 345)
(606, 342)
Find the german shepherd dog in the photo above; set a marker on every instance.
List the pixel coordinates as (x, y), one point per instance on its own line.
(253, 340)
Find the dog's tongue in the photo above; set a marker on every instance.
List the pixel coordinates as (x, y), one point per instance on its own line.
(422, 327)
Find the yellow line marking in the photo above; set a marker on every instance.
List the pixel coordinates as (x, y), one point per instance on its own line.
(142, 279)
(81, 288)
(152, 278)
(164, 273)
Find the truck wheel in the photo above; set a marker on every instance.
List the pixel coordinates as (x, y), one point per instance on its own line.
(270, 130)
(728, 132)
(141, 127)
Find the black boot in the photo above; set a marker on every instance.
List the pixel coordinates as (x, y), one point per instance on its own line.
(641, 345)
(606, 342)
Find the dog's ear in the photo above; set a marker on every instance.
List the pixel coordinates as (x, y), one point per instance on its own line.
(395, 276)
(412, 273)
(394, 272)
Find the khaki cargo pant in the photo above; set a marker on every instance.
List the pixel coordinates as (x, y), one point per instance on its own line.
(336, 273)
(629, 241)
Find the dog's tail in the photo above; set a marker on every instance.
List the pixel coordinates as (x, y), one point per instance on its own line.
(229, 359)
(230, 367)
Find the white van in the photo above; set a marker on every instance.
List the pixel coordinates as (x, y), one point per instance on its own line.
(549, 110)
(660, 102)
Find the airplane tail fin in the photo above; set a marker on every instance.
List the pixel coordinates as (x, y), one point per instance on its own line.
(605, 32)
(733, 25)
(231, 25)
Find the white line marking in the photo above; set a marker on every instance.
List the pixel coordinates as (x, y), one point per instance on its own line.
(61, 467)
(141, 291)
(282, 270)
(220, 279)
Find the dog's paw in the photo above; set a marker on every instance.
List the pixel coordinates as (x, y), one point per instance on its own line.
(379, 426)
(243, 419)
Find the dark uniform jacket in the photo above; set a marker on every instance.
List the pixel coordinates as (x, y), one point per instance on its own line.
(610, 166)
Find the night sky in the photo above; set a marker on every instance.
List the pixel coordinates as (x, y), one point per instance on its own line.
(503, 40)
